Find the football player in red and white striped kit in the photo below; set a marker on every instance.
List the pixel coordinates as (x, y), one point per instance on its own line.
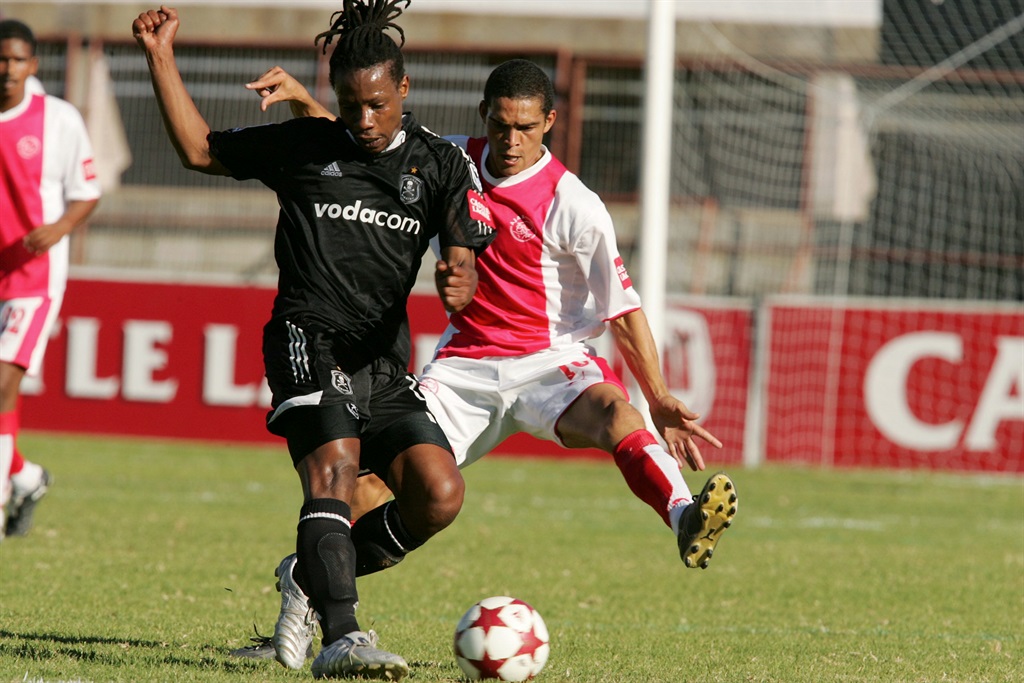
(48, 187)
(516, 359)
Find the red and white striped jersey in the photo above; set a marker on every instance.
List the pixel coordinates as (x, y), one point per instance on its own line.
(553, 275)
(46, 161)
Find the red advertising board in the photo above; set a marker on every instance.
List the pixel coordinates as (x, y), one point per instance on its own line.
(904, 384)
(180, 360)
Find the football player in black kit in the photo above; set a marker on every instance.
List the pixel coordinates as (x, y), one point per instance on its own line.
(360, 199)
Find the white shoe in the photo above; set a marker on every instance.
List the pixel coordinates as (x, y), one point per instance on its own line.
(22, 505)
(296, 624)
(356, 654)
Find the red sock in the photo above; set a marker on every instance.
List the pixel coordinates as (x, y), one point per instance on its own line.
(9, 423)
(17, 462)
(651, 473)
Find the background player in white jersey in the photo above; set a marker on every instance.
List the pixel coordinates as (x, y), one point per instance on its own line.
(48, 187)
(516, 359)
(360, 199)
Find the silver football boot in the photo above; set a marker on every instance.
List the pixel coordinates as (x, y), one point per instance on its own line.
(356, 654)
(296, 624)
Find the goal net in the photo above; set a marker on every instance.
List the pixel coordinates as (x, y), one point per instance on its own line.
(873, 198)
(864, 189)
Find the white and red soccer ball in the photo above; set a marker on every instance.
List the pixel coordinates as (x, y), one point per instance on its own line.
(501, 638)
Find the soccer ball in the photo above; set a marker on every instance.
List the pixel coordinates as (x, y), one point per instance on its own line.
(501, 638)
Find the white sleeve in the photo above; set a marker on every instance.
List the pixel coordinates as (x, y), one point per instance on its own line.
(76, 163)
(597, 252)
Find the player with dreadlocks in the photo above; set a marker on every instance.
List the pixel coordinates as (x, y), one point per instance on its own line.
(360, 199)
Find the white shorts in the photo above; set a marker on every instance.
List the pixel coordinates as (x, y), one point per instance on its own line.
(481, 402)
(25, 326)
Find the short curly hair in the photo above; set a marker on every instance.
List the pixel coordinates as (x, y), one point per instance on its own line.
(17, 30)
(517, 79)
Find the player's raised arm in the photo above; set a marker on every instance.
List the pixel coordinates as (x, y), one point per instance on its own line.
(674, 421)
(277, 85)
(154, 31)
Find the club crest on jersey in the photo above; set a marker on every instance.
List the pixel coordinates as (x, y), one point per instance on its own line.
(521, 229)
(620, 268)
(341, 382)
(332, 169)
(411, 189)
(29, 146)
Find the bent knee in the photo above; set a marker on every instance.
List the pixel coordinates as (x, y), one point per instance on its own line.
(599, 422)
(430, 506)
(445, 501)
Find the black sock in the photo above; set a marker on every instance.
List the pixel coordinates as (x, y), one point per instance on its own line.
(381, 539)
(325, 570)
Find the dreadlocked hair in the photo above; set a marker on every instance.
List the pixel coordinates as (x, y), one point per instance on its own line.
(362, 42)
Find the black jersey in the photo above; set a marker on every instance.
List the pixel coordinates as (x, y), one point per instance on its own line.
(353, 227)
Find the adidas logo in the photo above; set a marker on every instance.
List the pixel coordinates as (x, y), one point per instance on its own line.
(332, 169)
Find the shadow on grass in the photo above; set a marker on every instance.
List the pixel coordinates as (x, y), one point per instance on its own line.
(115, 652)
(80, 640)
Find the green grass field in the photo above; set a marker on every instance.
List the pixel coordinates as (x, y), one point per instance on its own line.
(150, 561)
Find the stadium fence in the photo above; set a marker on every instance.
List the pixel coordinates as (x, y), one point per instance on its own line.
(863, 208)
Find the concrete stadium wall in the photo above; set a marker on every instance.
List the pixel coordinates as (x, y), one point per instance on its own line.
(619, 37)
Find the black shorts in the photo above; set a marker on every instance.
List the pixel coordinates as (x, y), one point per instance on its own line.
(317, 398)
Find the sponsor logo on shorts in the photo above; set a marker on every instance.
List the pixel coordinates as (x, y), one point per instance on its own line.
(620, 268)
(341, 382)
(89, 169)
(364, 214)
(521, 229)
(412, 188)
(353, 410)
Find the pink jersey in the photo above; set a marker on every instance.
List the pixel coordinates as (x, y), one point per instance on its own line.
(553, 275)
(45, 162)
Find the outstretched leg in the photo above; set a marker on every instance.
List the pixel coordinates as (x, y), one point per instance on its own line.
(602, 417)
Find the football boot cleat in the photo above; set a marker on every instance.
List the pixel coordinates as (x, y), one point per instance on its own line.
(705, 519)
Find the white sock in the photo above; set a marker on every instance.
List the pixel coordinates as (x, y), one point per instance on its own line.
(6, 456)
(30, 477)
(674, 513)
